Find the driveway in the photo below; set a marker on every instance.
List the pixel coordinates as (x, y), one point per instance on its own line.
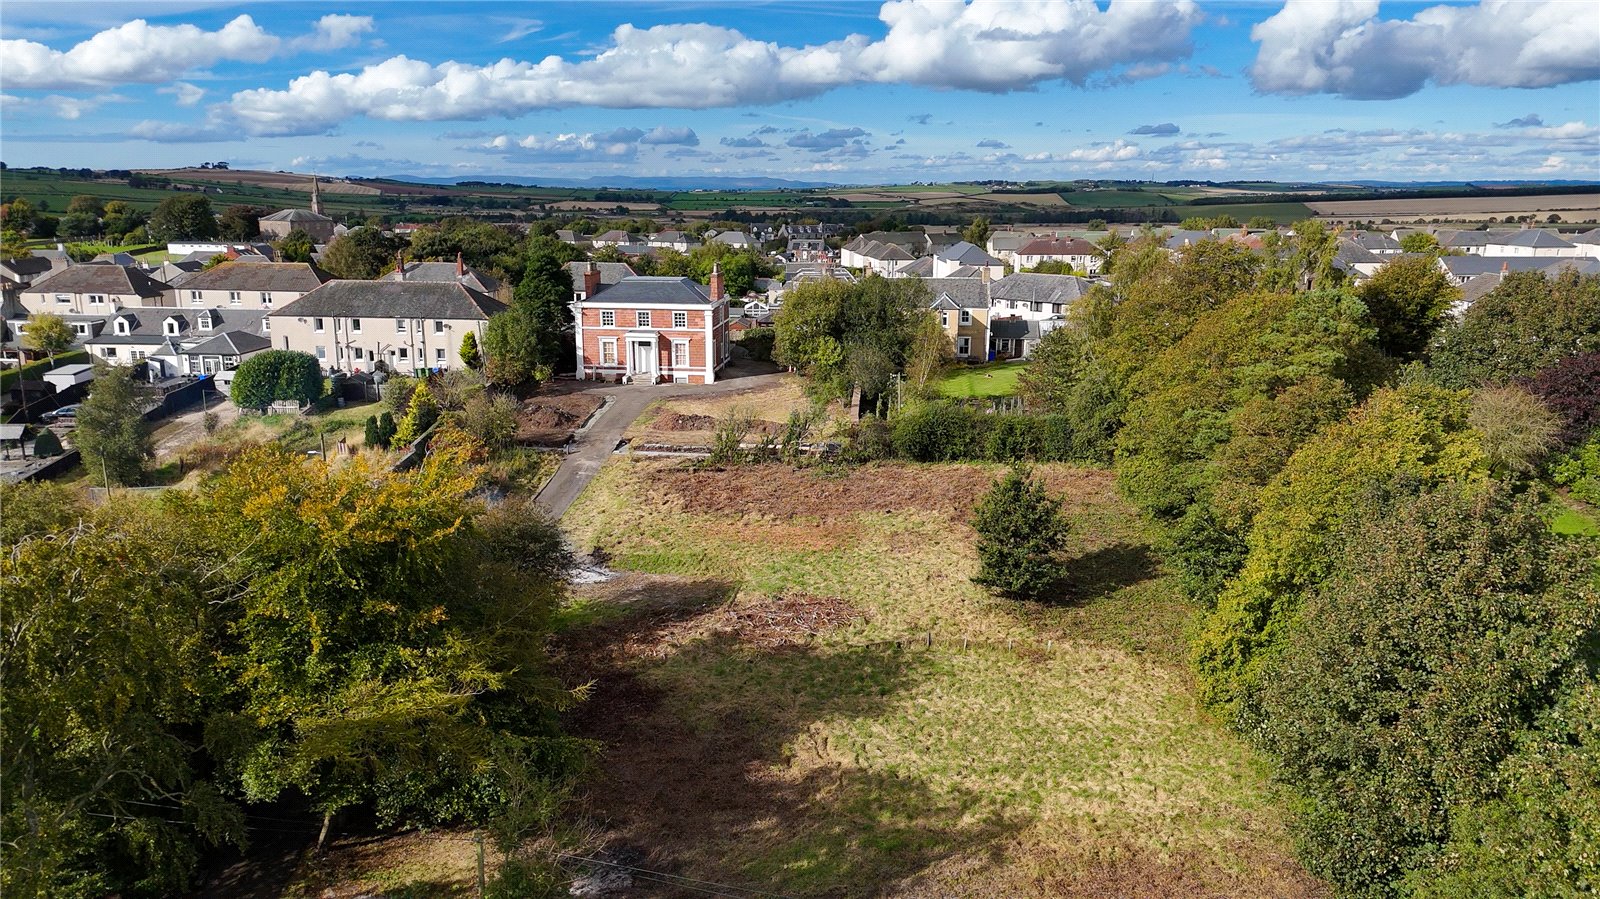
(628, 401)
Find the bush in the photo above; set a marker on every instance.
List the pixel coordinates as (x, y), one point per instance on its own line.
(758, 342)
(939, 432)
(871, 440)
(47, 444)
(1570, 388)
(1020, 531)
(277, 376)
(1441, 632)
(1014, 438)
(421, 413)
(1580, 471)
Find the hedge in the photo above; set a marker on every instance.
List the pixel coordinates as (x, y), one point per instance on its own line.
(952, 432)
(34, 370)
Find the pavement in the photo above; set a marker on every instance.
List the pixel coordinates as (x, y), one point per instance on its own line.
(599, 440)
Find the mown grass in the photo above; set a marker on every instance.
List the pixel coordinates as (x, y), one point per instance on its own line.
(989, 379)
(1034, 749)
(1570, 522)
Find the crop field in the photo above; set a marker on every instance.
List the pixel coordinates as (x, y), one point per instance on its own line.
(56, 191)
(1113, 199)
(1572, 207)
(798, 690)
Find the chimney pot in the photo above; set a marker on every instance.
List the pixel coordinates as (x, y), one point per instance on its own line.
(716, 282)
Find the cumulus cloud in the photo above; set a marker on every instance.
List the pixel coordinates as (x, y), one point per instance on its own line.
(985, 46)
(661, 134)
(616, 145)
(743, 142)
(137, 52)
(832, 139)
(1327, 47)
(1165, 129)
(62, 107)
(766, 129)
(994, 144)
(1531, 120)
(187, 94)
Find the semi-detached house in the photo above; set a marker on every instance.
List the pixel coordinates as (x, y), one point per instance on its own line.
(401, 326)
(650, 330)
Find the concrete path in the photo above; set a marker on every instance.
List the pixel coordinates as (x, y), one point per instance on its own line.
(599, 440)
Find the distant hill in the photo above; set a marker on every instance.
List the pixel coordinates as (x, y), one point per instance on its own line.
(664, 182)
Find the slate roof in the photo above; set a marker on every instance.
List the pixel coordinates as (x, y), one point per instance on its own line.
(1462, 239)
(961, 293)
(1008, 240)
(394, 299)
(261, 276)
(148, 326)
(967, 254)
(672, 237)
(734, 239)
(1350, 253)
(1013, 328)
(922, 268)
(616, 236)
(1028, 287)
(296, 215)
(108, 279)
(1180, 238)
(444, 272)
(1587, 237)
(28, 266)
(1058, 246)
(662, 289)
(1467, 266)
(610, 272)
(229, 343)
(1371, 240)
(1478, 287)
(1536, 238)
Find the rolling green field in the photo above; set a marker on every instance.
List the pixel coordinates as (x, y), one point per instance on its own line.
(1114, 199)
(52, 192)
(991, 379)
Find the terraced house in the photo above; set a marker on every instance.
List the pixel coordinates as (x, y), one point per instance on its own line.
(401, 326)
(651, 330)
(251, 285)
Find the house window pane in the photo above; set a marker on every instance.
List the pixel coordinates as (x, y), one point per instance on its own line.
(400, 325)
(233, 297)
(964, 346)
(266, 298)
(96, 299)
(644, 318)
(322, 352)
(680, 319)
(966, 317)
(608, 352)
(608, 318)
(355, 325)
(63, 298)
(438, 355)
(680, 353)
(438, 327)
(316, 325)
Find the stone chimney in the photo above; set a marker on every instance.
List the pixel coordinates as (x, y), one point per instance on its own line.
(716, 281)
(461, 267)
(591, 280)
(400, 264)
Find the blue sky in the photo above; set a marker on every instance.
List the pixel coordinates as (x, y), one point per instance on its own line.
(912, 90)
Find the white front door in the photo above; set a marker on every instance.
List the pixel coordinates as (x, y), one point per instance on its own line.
(642, 361)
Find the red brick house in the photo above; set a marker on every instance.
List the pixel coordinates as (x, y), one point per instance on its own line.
(650, 330)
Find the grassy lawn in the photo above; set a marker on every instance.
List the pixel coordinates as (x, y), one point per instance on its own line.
(989, 379)
(765, 728)
(1574, 523)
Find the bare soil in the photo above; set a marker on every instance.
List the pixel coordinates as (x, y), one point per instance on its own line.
(549, 419)
(814, 493)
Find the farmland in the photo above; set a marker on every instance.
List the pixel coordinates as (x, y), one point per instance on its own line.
(1571, 207)
(798, 688)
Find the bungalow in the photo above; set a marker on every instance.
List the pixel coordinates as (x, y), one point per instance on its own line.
(615, 238)
(1076, 252)
(673, 240)
(736, 239)
(405, 326)
(651, 330)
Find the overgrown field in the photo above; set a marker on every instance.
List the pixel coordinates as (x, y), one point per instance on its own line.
(805, 694)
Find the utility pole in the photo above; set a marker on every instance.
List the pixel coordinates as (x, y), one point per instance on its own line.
(478, 838)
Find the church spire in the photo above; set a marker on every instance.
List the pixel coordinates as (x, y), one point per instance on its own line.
(316, 196)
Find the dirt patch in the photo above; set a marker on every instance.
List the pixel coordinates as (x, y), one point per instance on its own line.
(677, 421)
(549, 419)
(785, 491)
(789, 618)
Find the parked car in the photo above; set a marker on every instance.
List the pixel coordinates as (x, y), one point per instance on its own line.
(67, 414)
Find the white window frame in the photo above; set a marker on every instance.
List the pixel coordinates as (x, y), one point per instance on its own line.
(680, 346)
(63, 299)
(966, 316)
(234, 297)
(963, 346)
(438, 326)
(641, 318)
(194, 298)
(97, 299)
(439, 355)
(944, 317)
(399, 326)
(266, 325)
(608, 351)
(80, 328)
(355, 326)
(318, 325)
(266, 298)
(203, 322)
(680, 319)
(322, 354)
(608, 318)
(109, 352)
(405, 353)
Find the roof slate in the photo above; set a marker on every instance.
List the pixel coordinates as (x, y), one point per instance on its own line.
(394, 299)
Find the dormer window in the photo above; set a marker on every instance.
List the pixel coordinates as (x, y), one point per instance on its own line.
(205, 322)
(170, 327)
(266, 325)
(122, 327)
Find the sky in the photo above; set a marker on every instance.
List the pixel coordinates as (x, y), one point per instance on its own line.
(817, 91)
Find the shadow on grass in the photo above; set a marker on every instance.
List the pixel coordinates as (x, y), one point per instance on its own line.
(714, 770)
(1104, 571)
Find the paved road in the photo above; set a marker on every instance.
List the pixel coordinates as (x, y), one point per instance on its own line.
(594, 445)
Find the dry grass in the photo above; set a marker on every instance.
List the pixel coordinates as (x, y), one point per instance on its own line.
(1035, 749)
(770, 403)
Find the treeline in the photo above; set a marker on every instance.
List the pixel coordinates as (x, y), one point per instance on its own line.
(1357, 487)
(323, 638)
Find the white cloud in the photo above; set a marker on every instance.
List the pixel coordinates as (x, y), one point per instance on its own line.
(334, 32)
(986, 45)
(136, 52)
(62, 107)
(1342, 47)
(187, 94)
(661, 134)
(616, 145)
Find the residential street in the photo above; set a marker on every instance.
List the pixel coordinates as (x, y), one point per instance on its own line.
(628, 402)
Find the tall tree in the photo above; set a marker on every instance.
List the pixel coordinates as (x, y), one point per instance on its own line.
(296, 246)
(49, 334)
(184, 217)
(111, 432)
(361, 254)
(1406, 301)
(240, 222)
(977, 232)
